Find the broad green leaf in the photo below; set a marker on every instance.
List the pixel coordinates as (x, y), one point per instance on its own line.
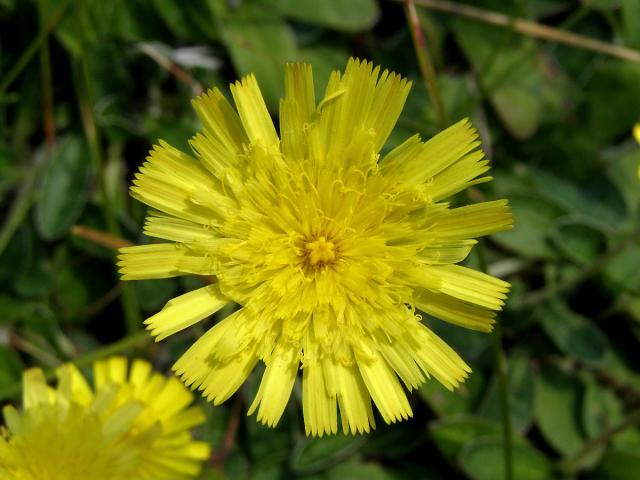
(64, 189)
(558, 398)
(603, 409)
(618, 464)
(483, 459)
(534, 221)
(451, 434)
(348, 16)
(578, 241)
(623, 269)
(622, 169)
(613, 99)
(631, 22)
(573, 334)
(598, 201)
(259, 41)
(355, 470)
(520, 393)
(313, 454)
(508, 71)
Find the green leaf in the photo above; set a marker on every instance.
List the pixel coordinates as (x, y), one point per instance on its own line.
(534, 220)
(618, 464)
(348, 16)
(508, 71)
(622, 169)
(451, 434)
(354, 470)
(64, 189)
(259, 41)
(558, 398)
(483, 459)
(313, 454)
(623, 269)
(598, 201)
(578, 241)
(631, 22)
(613, 98)
(520, 393)
(602, 409)
(573, 334)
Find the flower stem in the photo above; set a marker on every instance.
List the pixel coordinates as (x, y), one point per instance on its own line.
(500, 365)
(424, 62)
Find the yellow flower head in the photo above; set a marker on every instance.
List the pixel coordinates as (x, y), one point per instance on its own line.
(131, 426)
(325, 245)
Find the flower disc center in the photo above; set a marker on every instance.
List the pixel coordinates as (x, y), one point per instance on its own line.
(320, 251)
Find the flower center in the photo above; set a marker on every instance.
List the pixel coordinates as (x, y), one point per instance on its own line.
(320, 251)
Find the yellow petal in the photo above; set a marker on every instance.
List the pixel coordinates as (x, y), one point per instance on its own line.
(253, 112)
(437, 358)
(276, 385)
(318, 406)
(455, 311)
(295, 110)
(186, 310)
(385, 389)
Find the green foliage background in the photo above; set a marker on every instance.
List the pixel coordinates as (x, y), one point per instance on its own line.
(115, 76)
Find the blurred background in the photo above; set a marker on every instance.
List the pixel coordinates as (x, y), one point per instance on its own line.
(87, 86)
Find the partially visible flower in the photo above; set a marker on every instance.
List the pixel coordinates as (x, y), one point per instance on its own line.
(132, 425)
(327, 245)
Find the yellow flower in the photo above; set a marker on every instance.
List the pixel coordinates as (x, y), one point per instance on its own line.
(327, 247)
(131, 426)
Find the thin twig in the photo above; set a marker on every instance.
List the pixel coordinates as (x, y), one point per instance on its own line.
(170, 66)
(532, 29)
(104, 239)
(424, 62)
